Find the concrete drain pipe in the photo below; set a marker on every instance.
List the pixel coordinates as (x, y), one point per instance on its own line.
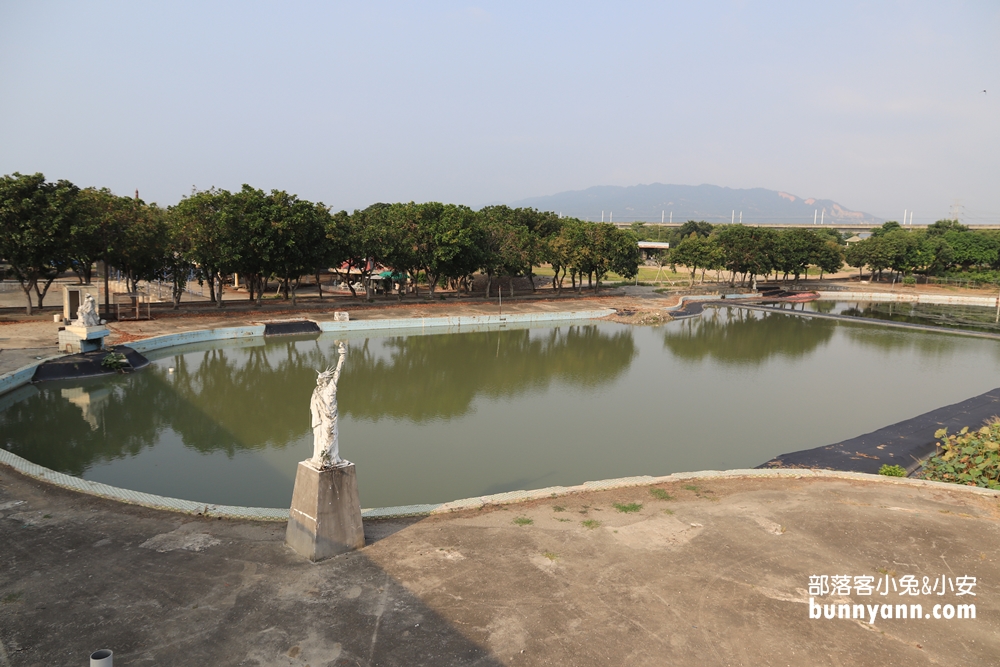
(101, 658)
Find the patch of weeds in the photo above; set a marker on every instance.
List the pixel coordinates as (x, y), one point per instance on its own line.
(968, 457)
(591, 524)
(115, 362)
(11, 598)
(523, 521)
(550, 555)
(691, 487)
(892, 470)
(627, 508)
(563, 520)
(558, 508)
(660, 494)
(668, 511)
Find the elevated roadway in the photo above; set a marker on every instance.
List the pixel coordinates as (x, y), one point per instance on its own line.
(852, 228)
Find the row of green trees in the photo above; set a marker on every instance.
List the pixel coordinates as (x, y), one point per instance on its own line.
(47, 228)
(746, 252)
(944, 248)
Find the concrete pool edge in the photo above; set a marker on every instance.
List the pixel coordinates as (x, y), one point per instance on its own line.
(153, 501)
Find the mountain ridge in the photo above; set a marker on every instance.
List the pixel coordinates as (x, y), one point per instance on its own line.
(712, 203)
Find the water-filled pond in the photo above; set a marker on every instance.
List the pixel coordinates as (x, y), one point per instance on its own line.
(440, 416)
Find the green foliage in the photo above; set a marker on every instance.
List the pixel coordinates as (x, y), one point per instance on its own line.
(968, 457)
(747, 251)
(590, 524)
(627, 508)
(36, 221)
(523, 521)
(892, 470)
(114, 361)
(660, 494)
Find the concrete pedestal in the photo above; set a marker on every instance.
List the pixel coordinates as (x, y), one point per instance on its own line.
(77, 338)
(325, 518)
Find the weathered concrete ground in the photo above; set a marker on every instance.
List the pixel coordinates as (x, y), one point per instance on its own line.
(715, 575)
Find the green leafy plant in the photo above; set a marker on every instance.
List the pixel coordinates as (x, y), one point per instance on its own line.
(627, 508)
(114, 362)
(892, 470)
(523, 521)
(968, 457)
(660, 494)
(590, 524)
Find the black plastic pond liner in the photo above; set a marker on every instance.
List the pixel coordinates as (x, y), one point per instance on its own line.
(87, 364)
(689, 309)
(903, 444)
(291, 328)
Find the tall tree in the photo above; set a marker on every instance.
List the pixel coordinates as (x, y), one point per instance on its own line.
(202, 219)
(746, 251)
(36, 222)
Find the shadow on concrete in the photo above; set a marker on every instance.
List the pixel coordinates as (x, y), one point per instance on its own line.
(163, 588)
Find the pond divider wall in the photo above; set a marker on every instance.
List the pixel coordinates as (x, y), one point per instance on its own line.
(902, 297)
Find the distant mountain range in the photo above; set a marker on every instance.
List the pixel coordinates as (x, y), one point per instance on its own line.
(647, 203)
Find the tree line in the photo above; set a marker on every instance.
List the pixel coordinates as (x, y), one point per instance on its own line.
(945, 248)
(747, 252)
(942, 249)
(47, 228)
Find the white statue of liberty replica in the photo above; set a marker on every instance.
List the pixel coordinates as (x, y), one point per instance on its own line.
(323, 407)
(325, 516)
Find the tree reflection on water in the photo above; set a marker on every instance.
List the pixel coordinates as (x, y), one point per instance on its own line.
(237, 398)
(737, 336)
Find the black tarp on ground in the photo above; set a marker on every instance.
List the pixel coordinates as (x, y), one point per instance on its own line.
(902, 444)
(291, 328)
(87, 364)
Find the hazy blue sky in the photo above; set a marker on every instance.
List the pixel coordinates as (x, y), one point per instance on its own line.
(877, 105)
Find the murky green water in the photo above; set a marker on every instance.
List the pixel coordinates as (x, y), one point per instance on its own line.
(435, 417)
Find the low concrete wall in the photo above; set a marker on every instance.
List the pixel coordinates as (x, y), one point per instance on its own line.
(170, 340)
(13, 380)
(710, 297)
(511, 497)
(903, 297)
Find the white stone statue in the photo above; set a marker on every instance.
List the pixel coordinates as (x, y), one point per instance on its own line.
(86, 314)
(323, 406)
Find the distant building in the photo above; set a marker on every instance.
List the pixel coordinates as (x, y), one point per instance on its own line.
(649, 248)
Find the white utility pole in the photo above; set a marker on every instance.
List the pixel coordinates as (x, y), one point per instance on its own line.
(662, 213)
(904, 216)
(733, 221)
(602, 216)
(822, 216)
(814, 216)
(671, 217)
(741, 217)
(911, 218)
(611, 217)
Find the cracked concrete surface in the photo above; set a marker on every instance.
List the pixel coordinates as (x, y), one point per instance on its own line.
(715, 575)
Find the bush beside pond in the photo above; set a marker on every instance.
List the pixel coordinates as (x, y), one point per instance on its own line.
(967, 457)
